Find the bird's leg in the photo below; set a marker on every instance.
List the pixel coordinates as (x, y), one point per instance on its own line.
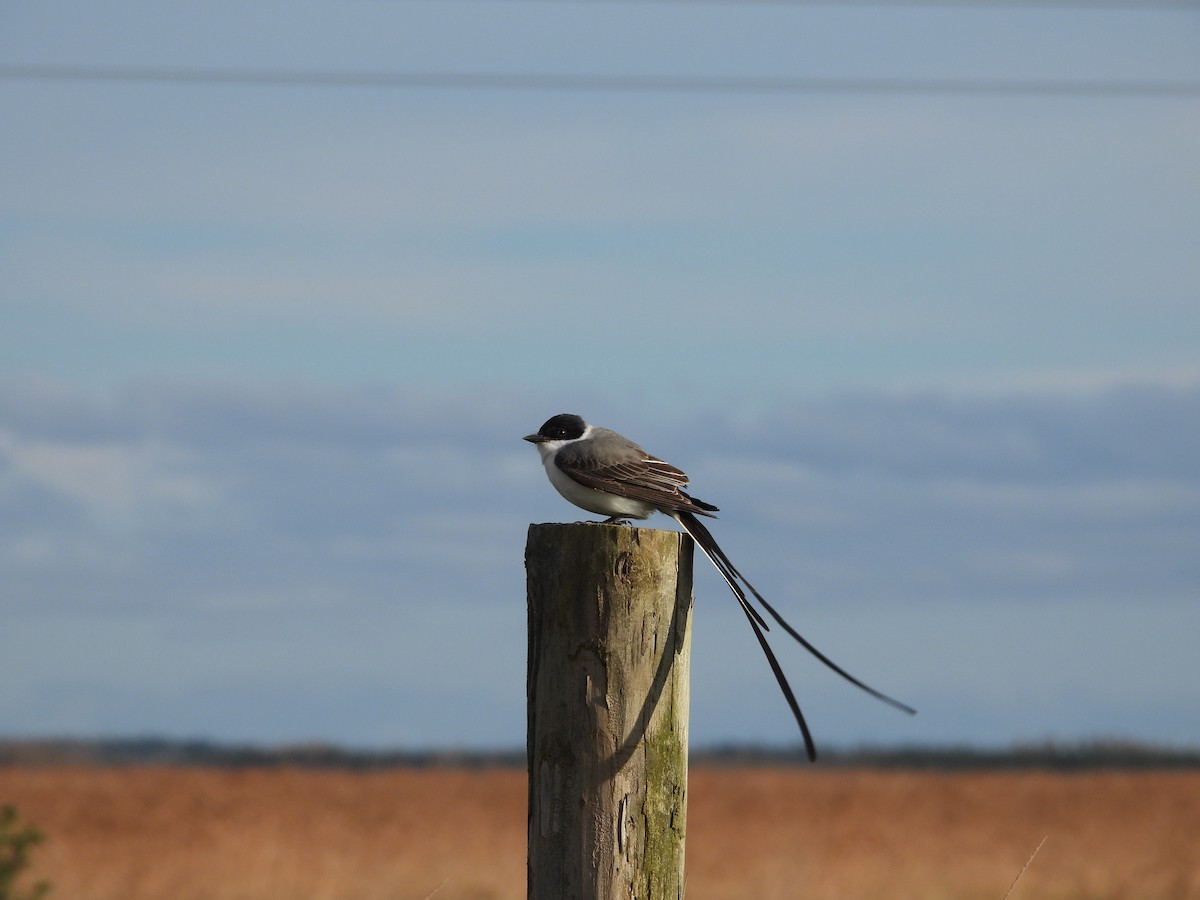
(617, 520)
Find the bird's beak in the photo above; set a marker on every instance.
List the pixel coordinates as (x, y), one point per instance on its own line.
(534, 438)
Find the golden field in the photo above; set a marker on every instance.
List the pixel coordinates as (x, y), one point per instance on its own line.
(151, 833)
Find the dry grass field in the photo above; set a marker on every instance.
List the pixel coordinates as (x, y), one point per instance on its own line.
(147, 833)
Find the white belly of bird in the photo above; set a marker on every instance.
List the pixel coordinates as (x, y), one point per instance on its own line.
(596, 501)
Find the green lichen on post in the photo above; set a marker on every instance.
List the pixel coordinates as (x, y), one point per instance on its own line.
(666, 751)
(609, 634)
(665, 813)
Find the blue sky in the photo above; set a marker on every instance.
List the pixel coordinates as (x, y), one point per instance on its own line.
(268, 352)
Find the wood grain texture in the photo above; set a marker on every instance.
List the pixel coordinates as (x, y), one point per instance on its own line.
(608, 669)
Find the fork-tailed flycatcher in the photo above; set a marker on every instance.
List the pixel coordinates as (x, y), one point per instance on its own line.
(608, 474)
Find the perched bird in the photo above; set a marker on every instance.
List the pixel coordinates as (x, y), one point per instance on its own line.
(605, 473)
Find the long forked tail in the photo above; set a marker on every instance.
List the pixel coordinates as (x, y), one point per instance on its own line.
(735, 579)
(701, 536)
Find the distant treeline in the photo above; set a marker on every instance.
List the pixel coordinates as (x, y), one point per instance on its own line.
(167, 752)
(154, 751)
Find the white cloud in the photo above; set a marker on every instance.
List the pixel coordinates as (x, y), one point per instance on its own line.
(295, 513)
(994, 275)
(111, 476)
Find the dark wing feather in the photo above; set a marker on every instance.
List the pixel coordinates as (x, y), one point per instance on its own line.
(629, 471)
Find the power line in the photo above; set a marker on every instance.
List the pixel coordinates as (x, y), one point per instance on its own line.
(601, 83)
(964, 5)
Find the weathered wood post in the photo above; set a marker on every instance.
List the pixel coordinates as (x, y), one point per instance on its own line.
(609, 643)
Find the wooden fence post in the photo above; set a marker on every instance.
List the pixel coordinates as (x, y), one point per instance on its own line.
(609, 643)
